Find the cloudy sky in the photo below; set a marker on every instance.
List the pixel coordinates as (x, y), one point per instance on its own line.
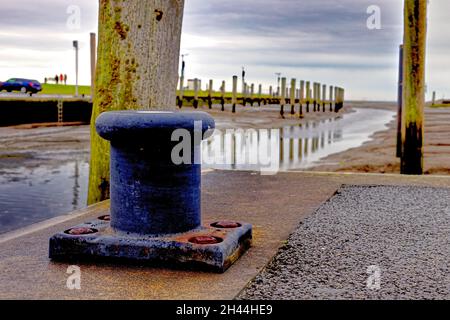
(326, 41)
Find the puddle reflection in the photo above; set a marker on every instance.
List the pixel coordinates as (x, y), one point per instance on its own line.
(294, 147)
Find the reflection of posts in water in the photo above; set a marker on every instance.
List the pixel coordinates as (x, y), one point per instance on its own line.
(291, 150)
(300, 149)
(306, 152)
(269, 164)
(233, 151)
(308, 95)
(322, 140)
(282, 96)
(281, 145)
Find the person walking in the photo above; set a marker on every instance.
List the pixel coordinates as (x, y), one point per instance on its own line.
(56, 79)
(61, 78)
(65, 79)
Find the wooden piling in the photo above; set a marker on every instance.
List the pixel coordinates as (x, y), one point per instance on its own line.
(331, 98)
(259, 94)
(302, 96)
(324, 96)
(336, 99)
(210, 92)
(196, 89)
(234, 93)
(292, 97)
(93, 44)
(414, 48)
(315, 96)
(434, 99)
(252, 94)
(318, 96)
(222, 95)
(181, 94)
(282, 96)
(244, 94)
(271, 91)
(308, 95)
(400, 103)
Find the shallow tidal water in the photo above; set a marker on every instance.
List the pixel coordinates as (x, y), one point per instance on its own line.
(31, 195)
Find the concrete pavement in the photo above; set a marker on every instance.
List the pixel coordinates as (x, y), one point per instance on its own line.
(275, 205)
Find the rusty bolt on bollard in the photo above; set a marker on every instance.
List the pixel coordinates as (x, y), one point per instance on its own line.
(155, 213)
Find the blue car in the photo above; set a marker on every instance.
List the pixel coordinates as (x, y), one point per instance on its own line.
(22, 85)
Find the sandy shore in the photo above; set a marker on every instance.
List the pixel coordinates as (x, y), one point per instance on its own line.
(379, 154)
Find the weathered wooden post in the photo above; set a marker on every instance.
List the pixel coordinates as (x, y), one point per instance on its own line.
(434, 99)
(308, 95)
(93, 44)
(318, 96)
(271, 91)
(244, 98)
(282, 96)
(234, 93)
(414, 48)
(210, 92)
(315, 96)
(196, 89)
(259, 94)
(400, 103)
(252, 94)
(137, 68)
(342, 97)
(222, 95)
(292, 95)
(324, 96)
(331, 98)
(181, 93)
(302, 96)
(336, 99)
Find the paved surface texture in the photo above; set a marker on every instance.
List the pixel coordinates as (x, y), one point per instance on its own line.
(401, 234)
(275, 205)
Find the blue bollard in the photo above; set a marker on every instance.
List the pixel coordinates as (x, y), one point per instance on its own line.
(155, 210)
(150, 194)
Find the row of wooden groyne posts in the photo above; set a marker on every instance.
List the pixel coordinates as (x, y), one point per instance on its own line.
(313, 96)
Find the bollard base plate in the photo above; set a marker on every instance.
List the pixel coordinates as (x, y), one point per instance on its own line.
(208, 248)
